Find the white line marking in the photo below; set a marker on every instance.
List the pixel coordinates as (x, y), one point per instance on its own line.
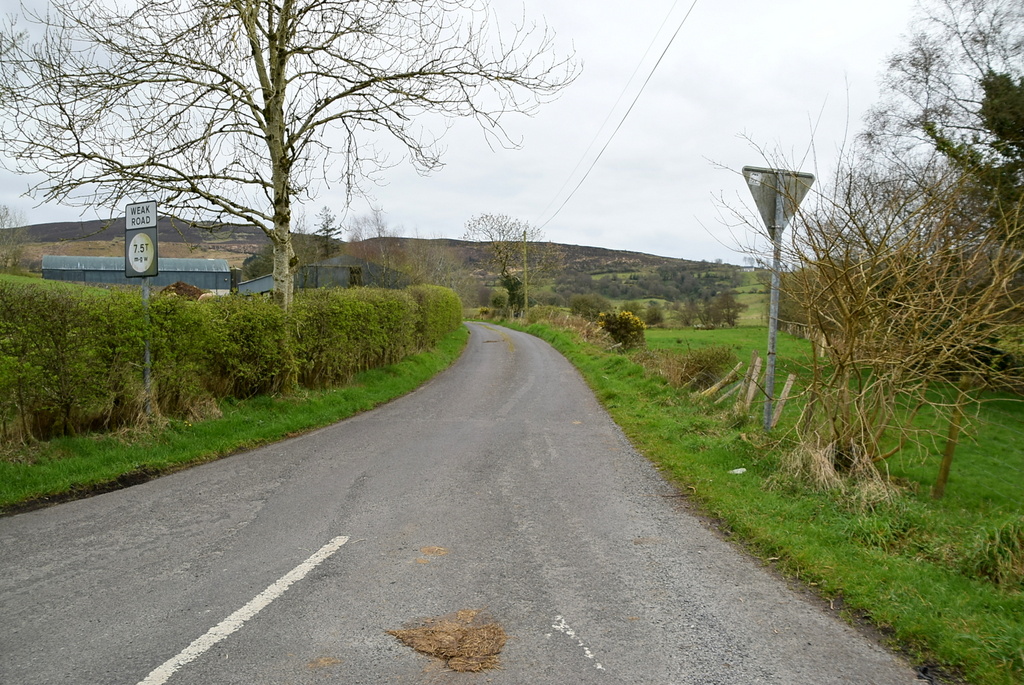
(561, 626)
(235, 621)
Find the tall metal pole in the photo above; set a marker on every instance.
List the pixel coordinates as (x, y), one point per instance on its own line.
(777, 194)
(146, 362)
(773, 309)
(526, 298)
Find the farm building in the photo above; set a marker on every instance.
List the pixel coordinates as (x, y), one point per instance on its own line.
(338, 272)
(209, 274)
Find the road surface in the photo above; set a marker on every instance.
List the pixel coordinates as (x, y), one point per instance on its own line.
(500, 485)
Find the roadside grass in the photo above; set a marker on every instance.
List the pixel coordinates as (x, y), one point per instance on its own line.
(72, 467)
(793, 353)
(40, 282)
(904, 563)
(17, 278)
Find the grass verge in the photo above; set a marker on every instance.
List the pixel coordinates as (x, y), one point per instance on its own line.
(70, 468)
(897, 563)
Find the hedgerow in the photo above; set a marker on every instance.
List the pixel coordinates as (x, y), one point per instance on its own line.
(440, 313)
(71, 361)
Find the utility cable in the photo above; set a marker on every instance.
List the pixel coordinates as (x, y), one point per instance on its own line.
(622, 93)
(624, 116)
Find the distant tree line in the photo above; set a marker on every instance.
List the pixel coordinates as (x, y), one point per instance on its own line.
(683, 283)
(722, 310)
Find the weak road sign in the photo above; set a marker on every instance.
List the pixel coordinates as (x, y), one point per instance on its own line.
(140, 241)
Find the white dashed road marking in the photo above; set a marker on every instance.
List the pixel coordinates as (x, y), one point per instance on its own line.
(235, 621)
(561, 626)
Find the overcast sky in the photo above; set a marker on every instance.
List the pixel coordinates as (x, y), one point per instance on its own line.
(792, 76)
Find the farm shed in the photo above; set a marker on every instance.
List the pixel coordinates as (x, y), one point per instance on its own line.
(338, 272)
(346, 271)
(209, 274)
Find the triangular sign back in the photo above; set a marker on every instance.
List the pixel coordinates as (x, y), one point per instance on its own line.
(768, 184)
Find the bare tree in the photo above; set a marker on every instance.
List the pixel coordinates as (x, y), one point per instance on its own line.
(371, 238)
(433, 262)
(957, 91)
(228, 110)
(12, 237)
(902, 299)
(519, 252)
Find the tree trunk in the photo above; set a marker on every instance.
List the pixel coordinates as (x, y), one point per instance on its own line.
(952, 439)
(284, 266)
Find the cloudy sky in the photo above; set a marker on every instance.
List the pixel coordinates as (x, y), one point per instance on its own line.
(793, 77)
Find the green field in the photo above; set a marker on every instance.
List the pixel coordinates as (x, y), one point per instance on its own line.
(989, 463)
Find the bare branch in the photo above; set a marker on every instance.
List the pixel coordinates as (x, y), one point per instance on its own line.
(227, 110)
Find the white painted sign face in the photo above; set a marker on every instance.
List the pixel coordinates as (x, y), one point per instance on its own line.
(140, 215)
(772, 186)
(141, 253)
(140, 249)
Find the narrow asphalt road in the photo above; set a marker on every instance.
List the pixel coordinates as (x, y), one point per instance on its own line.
(500, 485)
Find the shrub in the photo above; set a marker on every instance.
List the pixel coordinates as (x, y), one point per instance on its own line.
(654, 315)
(625, 328)
(118, 326)
(323, 354)
(589, 305)
(337, 333)
(696, 368)
(385, 332)
(51, 354)
(71, 360)
(180, 363)
(544, 312)
(439, 313)
(247, 350)
(587, 330)
(499, 300)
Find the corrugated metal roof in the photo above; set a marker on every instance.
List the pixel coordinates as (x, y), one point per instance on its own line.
(70, 263)
(263, 284)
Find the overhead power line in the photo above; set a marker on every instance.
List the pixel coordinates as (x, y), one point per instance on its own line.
(624, 116)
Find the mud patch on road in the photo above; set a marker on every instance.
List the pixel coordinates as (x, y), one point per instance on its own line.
(323, 662)
(468, 641)
(433, 551)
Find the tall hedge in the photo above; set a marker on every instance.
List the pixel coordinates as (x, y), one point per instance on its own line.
(71, 360)
(337, 333)
(246, 347)
(440, 312)
(181, 369)
(66, 358)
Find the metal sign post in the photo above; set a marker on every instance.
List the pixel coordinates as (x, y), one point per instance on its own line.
(777, 194)
(142, 260)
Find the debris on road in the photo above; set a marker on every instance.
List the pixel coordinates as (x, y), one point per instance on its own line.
(468, 640)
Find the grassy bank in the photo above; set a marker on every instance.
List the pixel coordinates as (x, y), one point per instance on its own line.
(67, 468)
(907, 564)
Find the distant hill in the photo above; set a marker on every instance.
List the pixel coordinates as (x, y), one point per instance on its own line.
(170, 232)
(616, 274)
(619, 275)
(591, 260)
(106, 239)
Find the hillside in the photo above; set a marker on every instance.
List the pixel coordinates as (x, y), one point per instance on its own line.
(615, 274)
(590, 260)
(618, 275)
(106, 239)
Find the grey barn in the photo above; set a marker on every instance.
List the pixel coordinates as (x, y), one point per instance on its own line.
(209, 274)
(338, 272)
